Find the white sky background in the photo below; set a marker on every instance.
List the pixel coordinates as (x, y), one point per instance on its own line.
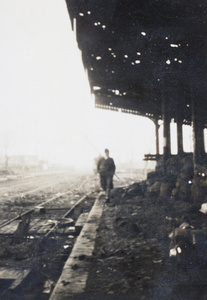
(46, 106)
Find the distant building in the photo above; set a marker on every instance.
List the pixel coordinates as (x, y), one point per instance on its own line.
(30, 163)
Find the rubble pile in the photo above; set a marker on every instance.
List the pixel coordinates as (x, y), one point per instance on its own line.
(127, 255)
(152, 238)
(179, 181)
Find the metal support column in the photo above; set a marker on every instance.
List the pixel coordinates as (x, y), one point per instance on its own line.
(179, 131)
(166, 130)
(157, 136)
(198, 133)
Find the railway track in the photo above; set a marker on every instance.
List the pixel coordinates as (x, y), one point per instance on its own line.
(31, 184)
(16, 201)
(37, 241)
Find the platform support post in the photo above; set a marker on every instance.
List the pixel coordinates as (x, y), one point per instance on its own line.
(179, 131)
(166, 132)
(198, 134)
(157, 136)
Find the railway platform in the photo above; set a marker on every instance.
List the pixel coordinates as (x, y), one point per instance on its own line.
(122, 252)
(112, 258)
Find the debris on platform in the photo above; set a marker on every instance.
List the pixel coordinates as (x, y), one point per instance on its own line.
(178, 181)
(204, 208)
(136, 189)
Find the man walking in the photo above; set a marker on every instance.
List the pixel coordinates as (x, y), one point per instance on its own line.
(106, 169)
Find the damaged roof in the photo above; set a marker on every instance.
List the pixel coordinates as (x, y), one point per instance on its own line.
(137, 52)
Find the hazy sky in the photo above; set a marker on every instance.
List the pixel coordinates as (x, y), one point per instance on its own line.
(46, 106)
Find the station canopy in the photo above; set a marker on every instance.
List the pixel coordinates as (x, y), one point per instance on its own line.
(136, 52)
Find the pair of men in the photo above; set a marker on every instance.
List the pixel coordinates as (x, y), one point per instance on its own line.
(106, 169)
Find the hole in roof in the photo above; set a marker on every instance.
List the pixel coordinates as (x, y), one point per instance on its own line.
(96, 88)
(174, 45)
(126, 56)
(168, 62)
(138, 53)
(143, 33)
(81, 14)
(98, 57)
(89, 12)
(137, 61)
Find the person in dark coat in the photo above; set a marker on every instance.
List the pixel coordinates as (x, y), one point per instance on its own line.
(106, 169)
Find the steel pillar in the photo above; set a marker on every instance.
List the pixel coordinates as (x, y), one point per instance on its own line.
(157, 136)
(179, 131)
(166, 130)
(198, 134)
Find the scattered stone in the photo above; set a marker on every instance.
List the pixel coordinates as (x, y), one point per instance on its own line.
(75, 267)
(204, 208)
(64, 283)
(82, 257)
